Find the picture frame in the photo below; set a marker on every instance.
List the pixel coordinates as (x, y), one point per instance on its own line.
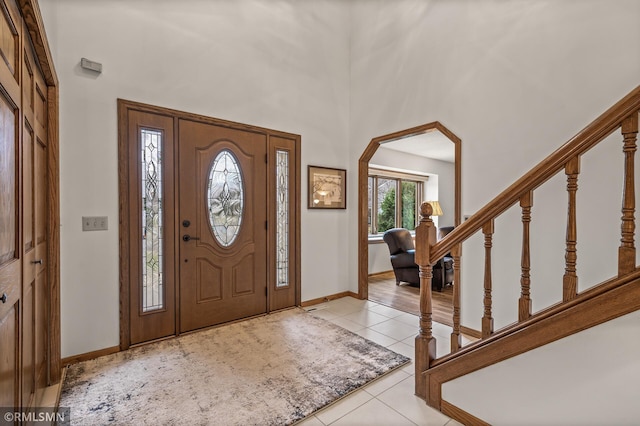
(327, 188)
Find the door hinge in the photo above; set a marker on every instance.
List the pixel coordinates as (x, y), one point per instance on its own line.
(266, 291)
(266, 225)
(266, 158)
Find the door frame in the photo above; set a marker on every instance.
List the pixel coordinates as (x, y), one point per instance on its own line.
(363, 173)
(276, 140)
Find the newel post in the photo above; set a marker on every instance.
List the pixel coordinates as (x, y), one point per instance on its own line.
(425, 342)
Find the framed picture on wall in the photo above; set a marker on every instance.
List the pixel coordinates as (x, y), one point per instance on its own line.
(327, 188)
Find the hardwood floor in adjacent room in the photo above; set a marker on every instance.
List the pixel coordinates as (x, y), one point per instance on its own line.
(406, 298)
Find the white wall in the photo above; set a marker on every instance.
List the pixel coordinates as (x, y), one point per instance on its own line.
(279, 64)
(529, 389)
(514, 80)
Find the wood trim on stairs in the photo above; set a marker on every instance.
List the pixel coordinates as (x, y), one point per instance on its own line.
(618, 296)
(586, 139)
(470, 332)
(577, 312)
(460, 415)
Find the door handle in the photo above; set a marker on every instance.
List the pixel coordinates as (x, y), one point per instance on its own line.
(37, 262)
(188, 237)
(4, 297)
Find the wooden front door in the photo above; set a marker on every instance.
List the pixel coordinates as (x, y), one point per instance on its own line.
(209, 221)
(223, 224)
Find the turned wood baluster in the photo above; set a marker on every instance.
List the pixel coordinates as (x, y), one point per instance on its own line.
(456, 339)
(627, 249)
(425, 342)
(487, 319)
(524, 304)
(570, 279)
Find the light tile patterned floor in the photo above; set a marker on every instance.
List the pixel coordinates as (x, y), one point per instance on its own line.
(389, 401)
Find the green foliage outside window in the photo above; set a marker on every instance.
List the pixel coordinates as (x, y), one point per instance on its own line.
(409, 205)
(387, 214)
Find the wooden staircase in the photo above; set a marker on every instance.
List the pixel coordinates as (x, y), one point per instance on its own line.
(576, 312)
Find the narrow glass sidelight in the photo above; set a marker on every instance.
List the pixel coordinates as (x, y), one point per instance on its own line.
(225, 198)
(282, 218)
(152, 220)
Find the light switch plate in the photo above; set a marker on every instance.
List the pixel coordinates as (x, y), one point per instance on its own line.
(95, 223)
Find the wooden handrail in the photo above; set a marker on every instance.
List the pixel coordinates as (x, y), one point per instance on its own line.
(587, 295)
(599, 129)
(615, 298)
(623, 115)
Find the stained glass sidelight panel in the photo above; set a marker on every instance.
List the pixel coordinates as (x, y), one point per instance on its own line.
(225, 198)
(282, 218)
(152, 225)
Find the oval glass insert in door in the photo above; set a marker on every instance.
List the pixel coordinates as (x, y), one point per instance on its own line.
(225, 198)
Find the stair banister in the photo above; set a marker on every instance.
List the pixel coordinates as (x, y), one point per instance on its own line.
(600, 128)
(627, 250)
(430, 370)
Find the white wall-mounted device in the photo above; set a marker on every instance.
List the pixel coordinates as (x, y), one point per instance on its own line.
(91, 65)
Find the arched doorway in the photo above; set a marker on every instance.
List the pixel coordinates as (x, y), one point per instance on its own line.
(363, 172)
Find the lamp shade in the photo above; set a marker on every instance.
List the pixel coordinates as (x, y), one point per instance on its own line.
(437, 210)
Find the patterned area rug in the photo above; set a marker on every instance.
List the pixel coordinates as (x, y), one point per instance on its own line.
(272, 370)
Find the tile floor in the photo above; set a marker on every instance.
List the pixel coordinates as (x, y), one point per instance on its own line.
(388, 401)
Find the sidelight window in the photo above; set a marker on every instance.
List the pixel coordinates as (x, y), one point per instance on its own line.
(282, 218)
(152, 221)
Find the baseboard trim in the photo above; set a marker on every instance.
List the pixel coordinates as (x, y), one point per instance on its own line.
(460, 415)
(328, 298)
(377, 274)
(470, 332)
(89, 355)
(63, 376)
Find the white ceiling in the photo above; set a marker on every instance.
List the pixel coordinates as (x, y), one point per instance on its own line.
(432, 144)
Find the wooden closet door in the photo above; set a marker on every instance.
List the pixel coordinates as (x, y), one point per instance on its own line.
(23, 215)
(10, 191)
(39, 265)
(34, 228)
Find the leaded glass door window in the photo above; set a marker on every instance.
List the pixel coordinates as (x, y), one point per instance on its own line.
(152, 219)
(282, 218)
(225, 198)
